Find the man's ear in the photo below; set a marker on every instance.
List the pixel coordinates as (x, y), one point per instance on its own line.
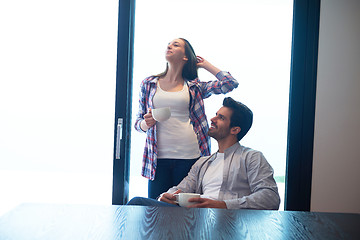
(235, 130)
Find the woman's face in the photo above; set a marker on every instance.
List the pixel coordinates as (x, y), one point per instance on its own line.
(175, 51)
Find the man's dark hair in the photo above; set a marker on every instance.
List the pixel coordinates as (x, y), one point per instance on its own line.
(241, 116)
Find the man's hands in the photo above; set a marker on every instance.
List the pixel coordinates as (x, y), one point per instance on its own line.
(200, 202)
(207, 203)
(169, 197)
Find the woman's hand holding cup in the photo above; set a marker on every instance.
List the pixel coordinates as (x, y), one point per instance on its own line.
(149, 120)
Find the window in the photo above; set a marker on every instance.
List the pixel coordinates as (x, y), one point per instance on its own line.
(57, 92)
(253, 42)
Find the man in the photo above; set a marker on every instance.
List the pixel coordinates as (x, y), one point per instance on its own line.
(235, 177)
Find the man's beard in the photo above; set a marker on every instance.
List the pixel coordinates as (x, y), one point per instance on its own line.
(218, 135)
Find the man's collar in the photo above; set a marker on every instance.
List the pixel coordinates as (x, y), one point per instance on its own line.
(232, 148)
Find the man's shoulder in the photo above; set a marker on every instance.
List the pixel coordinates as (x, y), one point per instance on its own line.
(247, 152)
(238, 148)
(248, 149)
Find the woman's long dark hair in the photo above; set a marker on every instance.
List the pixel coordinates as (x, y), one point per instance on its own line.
(189, 71)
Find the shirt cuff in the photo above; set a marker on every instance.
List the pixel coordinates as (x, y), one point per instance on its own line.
(222, 74)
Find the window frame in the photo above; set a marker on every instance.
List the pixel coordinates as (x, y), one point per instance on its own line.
(303, 75)
(123, 105)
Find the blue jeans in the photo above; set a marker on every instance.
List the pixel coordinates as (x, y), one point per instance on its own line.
(149, 202)
(169, 173)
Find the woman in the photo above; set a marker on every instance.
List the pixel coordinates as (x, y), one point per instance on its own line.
(174, 145)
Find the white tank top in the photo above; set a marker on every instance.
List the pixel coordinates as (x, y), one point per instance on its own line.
(175, 137)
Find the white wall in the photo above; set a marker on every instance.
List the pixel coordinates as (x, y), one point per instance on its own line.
(336, 166)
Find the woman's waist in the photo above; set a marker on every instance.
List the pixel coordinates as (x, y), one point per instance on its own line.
(176, 120)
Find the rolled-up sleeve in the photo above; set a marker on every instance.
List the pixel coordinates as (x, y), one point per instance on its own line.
(225, 83)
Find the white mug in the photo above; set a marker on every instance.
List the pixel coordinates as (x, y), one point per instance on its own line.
(161, 114)
(183, 198)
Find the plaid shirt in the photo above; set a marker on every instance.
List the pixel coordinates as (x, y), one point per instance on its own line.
(198, 91)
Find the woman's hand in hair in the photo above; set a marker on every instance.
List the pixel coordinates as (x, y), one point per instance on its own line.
(203, 63)
(200, 61)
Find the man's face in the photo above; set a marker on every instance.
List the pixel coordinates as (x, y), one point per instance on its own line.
(220, 124)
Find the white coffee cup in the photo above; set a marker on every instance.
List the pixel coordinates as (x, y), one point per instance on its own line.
(183, 198)
(161, 114)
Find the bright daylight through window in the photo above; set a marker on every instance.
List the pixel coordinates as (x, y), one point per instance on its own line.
(249, 38)
(57, 92)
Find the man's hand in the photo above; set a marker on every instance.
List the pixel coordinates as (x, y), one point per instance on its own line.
(169, 197)
(207, 203)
